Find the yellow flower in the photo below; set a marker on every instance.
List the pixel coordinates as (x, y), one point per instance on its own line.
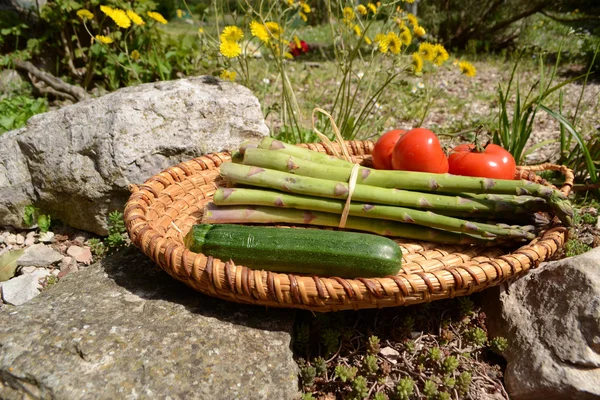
(383, 42)
(362, 10)
(303, 16)
(290, 2)
(441, 55)
(117, 15)
(427, 51)
(467, 68)
(305, 8)
(85, 14)
(372, 7)
(230, 49)
(412, 19)
(349, 15)
(405, 36)
(135, 18)
(106, 9)
(394, 43)
(157, 17)
(297, 42)
(409, 1)
(104, 39)
(201, 30)
(232, 33)
(260, 31)
(368, 40)
(274, 29)
(419, 31)
(400, 23)
(417, 62)
(135, 55)
(288, 55)
(357, 30)
(228, 75)
(379, 37)
(179, 13)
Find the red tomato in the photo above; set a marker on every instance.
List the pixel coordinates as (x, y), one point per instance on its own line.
(492, 162)
(419, 150)
(382, 152)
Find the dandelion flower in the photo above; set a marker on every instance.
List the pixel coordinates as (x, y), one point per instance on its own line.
(412, 19)
(135, 18)
(467, 68)
(379, 37)
(368, 40)
(232, 33)
(441, 55)
(117, 15)
(290, 2)
(260, 31)
(230, 49)
(85, 14)
(384, 43)
(305, 8)
(419, 31)
(288, 55)
(106, 9)
(179, 13)
(274, 29)
(201, 30)
(228, 75)
(362, 10)
(405, 36)
(357, 30)
(303, 16)
(417, 62)
(372, 7)
(394, 43)
(135, 55)
(409, 1)
(400, 23)
(157, 17)
(104, 39)
(427, 51)
(349, 15)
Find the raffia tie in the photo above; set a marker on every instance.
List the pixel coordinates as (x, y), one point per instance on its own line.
(328, 144)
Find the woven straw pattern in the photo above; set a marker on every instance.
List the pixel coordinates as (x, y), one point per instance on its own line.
(163, 209)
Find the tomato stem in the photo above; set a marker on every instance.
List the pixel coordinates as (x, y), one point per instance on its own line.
(478, 147)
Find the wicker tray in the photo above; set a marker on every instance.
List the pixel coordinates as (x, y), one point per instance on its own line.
(165, 207)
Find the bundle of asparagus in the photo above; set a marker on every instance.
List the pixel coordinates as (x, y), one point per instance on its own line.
(305, 187)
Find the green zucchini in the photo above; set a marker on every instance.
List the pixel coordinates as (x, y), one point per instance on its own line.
(293, 250)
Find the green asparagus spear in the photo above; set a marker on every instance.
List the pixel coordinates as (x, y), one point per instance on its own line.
(416, 181)
(256, 197)
(214, 214)
(256, 176)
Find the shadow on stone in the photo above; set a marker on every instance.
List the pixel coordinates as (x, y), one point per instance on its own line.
(141, 276)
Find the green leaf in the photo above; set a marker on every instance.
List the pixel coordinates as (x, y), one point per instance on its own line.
(29, 215)
(582, 145)
(8, 264)
(44, 222)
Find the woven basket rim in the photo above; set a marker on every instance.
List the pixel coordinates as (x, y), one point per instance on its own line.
(161, 210)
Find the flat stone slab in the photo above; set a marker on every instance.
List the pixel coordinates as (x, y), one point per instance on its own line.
(122, 328)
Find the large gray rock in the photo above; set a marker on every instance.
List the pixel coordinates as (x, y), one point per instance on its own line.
(124, 329)
(551, 318)
(76, 162)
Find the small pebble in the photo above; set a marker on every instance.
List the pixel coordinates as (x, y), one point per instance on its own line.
(28, 270)
(11, 239)
(46, 237)
(81, 254)
(20, 239)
